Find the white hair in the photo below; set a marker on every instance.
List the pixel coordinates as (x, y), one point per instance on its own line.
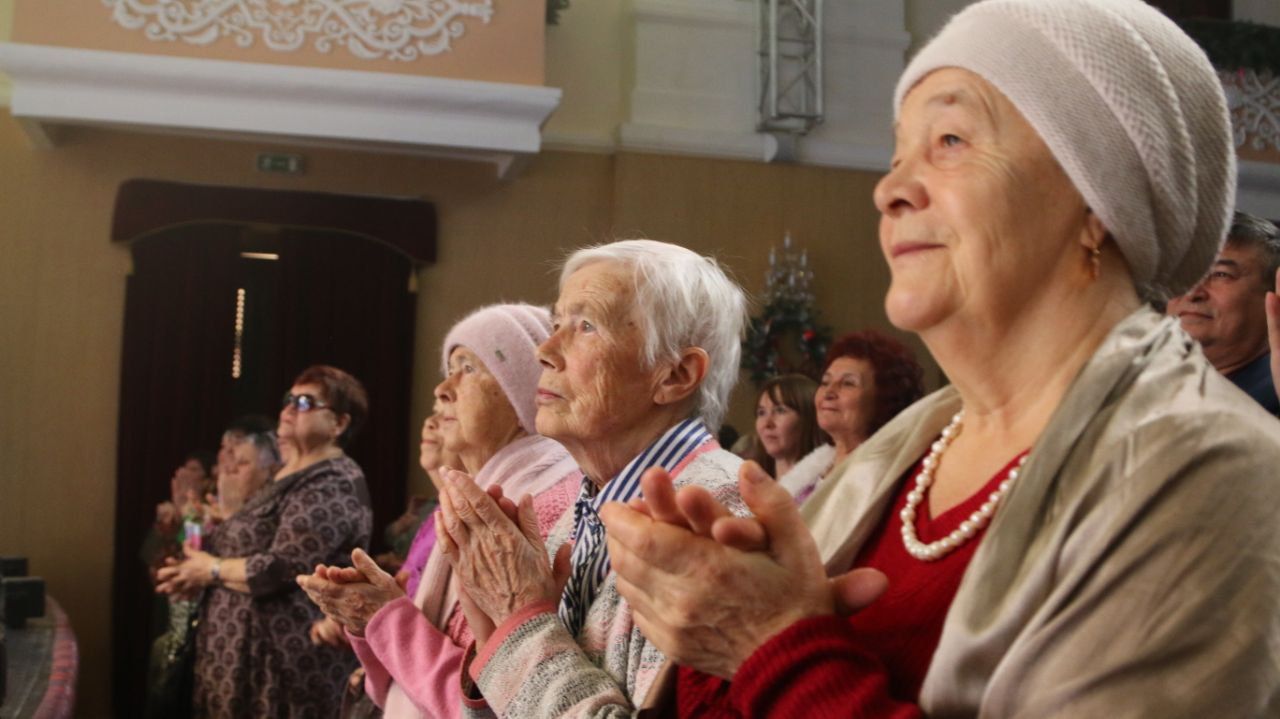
(684, 300)
(264, 444)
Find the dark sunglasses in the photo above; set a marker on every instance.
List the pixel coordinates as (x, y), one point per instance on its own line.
(303, 402)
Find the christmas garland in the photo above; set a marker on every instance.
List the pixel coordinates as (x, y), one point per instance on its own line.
(785, 325)
(1237, 44)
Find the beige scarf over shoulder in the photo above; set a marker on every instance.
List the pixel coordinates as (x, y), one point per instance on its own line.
(1134, 568)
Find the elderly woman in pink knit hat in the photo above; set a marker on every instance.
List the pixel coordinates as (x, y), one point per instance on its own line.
(1084, 523)
(411, 641)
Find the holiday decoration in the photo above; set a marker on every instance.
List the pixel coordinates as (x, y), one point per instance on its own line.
(787, 336)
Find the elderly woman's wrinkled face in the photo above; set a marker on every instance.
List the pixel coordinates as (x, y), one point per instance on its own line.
(976, 214)
(846, 399)
(229, 441)
(474, 411)
(594, 380)
(430, 453)
(246, 474)
(316, 427)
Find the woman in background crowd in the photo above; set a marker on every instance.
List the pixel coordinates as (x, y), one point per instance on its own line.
(245, 467)
(186, 487)
(869, 378)
(786, 424)
(253, 654)
(400, 534)
(411, 642)
(249, 467)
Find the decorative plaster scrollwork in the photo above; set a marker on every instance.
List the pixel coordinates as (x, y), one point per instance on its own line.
(1254, 102)
(370, 29)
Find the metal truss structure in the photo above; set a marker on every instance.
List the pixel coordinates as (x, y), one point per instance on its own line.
(790, 64)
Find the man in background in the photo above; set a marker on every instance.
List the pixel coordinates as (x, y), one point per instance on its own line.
(1227, 310)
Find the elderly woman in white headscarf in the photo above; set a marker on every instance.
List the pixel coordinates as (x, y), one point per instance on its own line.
(636, 375)
(412, 641)
(1083, 524)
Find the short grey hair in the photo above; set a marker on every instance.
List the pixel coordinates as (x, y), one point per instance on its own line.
(264, 443)
(1252, 231)
(684, 300)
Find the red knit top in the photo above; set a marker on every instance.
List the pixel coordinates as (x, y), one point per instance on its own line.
(868, 665)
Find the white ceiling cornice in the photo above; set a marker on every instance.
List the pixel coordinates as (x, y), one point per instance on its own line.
(498, 123)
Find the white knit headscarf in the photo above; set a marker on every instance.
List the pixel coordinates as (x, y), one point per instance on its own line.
(1130, 107)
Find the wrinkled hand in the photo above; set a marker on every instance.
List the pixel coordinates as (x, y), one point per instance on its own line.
(356, 680)
(502, 564)
(1273, 332)
(327, 631)
(708, 588)
(351, 596)
(187, 576)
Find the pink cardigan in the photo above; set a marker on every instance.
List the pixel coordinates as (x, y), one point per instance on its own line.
(412, 666)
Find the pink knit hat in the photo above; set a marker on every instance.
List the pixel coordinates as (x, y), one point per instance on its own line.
(1130, 107)
(506, 339)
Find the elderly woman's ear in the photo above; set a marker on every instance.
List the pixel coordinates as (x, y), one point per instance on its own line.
(340, 425)
(681, 379)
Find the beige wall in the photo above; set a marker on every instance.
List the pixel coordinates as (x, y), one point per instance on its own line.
(510, 48)
(585, 58)
(63, 293)
(6, 19)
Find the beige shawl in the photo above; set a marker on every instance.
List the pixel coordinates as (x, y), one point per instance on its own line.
(1133, 570)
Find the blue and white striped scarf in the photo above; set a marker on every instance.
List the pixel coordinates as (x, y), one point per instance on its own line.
(590, 558)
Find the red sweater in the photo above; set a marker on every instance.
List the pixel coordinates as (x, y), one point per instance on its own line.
(868, 665)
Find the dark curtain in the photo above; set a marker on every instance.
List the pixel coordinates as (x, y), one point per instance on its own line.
(347, 303)
(178, 338)
(1187, 9)
(330, 298)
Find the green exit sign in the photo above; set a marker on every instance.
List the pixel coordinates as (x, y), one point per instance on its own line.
(280, 163)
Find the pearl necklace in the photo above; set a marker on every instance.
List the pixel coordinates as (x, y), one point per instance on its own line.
(969, 527)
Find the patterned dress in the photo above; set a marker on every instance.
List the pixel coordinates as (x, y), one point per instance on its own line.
(253, 654)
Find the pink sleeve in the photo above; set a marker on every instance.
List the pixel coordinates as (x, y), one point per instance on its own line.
(417, 656)
(376, 679)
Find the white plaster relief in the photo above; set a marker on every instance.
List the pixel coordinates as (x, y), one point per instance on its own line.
(403, 30)
(1254, 101)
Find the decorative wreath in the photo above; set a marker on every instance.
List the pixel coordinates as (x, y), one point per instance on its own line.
(785, 338)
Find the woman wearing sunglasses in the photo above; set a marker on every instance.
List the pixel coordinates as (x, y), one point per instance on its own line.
(253, 653)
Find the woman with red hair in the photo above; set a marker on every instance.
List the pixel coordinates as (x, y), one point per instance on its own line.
(868, 379)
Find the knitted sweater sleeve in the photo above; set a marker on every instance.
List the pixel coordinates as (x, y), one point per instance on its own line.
(814, 668)
(532, 667)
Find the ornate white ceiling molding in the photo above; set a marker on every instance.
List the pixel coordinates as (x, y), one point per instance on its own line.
(402, 30)
(490, 122)
(1254, 101)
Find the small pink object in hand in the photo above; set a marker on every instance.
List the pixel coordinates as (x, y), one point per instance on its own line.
(193, 533)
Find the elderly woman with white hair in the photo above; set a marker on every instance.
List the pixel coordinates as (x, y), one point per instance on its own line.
(1083, 524)
(637, 374)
